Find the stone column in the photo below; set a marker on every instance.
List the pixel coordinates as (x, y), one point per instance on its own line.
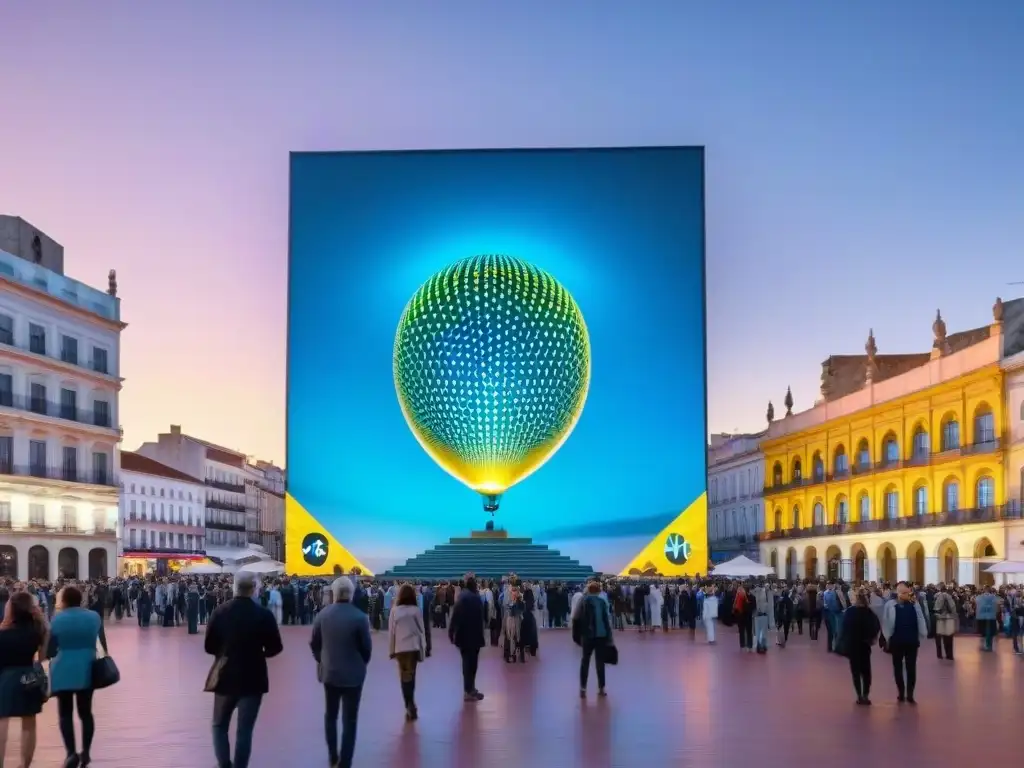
(931, 570)
(54, 557)
(966, 570)
(870, 569)
(846, 569)
(902, 569)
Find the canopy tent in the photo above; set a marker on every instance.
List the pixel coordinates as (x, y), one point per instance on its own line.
(1006, 566)
(202, 569)
(261, 567)
(742, 566)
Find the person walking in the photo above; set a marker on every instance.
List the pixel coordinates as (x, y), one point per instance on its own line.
(709, 613)
(592, 630)
(342, 647)
(466, 632)
(407, 641)
(23, 683)
(74, 635)
(904, 627)
(241, 635)
(858, 634)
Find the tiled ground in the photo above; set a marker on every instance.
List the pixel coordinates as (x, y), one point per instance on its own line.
(671, 702)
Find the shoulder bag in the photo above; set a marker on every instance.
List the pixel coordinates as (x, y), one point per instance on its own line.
(104, 671)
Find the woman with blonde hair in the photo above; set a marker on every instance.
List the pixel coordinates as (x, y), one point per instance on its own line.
(407, 637)
(23, 683)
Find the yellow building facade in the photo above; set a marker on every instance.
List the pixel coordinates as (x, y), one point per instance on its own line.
(898, 472)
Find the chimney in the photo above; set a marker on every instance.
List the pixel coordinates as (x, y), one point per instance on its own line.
(176, 430)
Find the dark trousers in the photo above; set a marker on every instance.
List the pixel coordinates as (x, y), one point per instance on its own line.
(904, 660)
(223, 708)
(813, 625)
(345, 700)
(944, 643)
(193, 621)
(594, 647)
(638, 616)
(746, 625)
(426, 625)
(783, 627)
(470, 662)
(830, 629)
(860, 670)
(66, 703)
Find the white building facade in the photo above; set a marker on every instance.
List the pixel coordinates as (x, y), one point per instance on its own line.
(264, 501)
(59, 434)
(222, 472)
(735, 503)
(162, 516)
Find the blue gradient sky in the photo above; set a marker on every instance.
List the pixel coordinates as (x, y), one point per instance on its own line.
(623, 231)
(864, 162)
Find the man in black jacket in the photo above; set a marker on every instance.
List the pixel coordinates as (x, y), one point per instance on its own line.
(466, 631)
(242, 635)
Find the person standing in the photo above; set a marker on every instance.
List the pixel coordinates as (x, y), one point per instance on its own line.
(342, 647)
(466, 632)
(192, 609)
(592, 629)
(859, 632)
(241, 635)
(944, 611)
(904, 627)
(407, 641)
(709, 613)
(986, 607)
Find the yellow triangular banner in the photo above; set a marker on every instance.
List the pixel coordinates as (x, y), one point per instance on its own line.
(680, 549)
(323, 554)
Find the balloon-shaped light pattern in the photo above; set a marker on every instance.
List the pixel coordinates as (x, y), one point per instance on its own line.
(492, 367)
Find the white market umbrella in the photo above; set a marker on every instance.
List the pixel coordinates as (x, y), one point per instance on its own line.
(1006, 566)
(202, 568)
(742, 566)
(261, 567)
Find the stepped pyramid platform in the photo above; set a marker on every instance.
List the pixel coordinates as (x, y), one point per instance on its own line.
(490, 554)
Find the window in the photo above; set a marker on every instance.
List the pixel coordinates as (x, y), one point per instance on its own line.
(68, 404)
(131, 509)
(984, 428)
(143, 509)
(69, 463)
(5, 514)
(131, 538)
(796, 517)
(37, 515)
(819, 514)
(778, 519)
(37, 458)
(863, 455)
(892, 504)
(37, 398)
(68, 519)
(921, 500)
(986, 493)
(951, 435)
(891, 450)
(163, 540)
(36, 339)
(7, 330)
(842, 512)
(920, 447)
(101, 413)
(99, 360)
(777, 474)
(69, 349)
(6, 454)
(99, 468)
(841, 464)
(796, 471)
(6, 389)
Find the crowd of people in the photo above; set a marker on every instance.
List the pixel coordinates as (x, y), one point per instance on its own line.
(63, 624)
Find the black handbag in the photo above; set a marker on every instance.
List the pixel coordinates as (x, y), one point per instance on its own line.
(35, 683)
(104, 672)
(609, 654)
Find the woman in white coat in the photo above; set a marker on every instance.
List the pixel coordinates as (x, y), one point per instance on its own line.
(407, 639)
(710, 614)
(654, 602)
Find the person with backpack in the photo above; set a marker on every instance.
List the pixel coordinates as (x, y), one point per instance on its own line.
(592, 631)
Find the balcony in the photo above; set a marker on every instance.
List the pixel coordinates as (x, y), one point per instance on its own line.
(158, 520)
(988, 444)
(61, 530)
(156, 552)
(223, 486)
(95, 418)
(210, 523)
(64, 474)
(1004, 512)
(229, 506)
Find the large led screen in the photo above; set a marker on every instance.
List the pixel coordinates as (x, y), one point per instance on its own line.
(513, 336)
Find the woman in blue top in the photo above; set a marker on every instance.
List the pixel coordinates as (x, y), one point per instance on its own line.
(74, 634)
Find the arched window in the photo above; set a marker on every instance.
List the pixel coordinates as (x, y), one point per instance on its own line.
(984, 426)
(796, 517)
(891, 450)
(863, 454)
(796, 471)
(951, 496)
(892, 504)
(920, 447)
(864, 507)
(841, 463)
(778, 519)
(951, 435)
(777, 474)
(819, 514)
(818, 468)
(921, 500)
(842, 511)
(986, 493)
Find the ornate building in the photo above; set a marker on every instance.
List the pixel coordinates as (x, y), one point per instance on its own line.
(899, 471)
(735, 482)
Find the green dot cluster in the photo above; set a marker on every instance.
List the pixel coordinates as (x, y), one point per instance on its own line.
(492, 360)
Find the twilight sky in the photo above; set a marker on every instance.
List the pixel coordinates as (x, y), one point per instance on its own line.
(865, 163)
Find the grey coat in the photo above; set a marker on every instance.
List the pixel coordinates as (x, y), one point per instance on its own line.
(341, 645)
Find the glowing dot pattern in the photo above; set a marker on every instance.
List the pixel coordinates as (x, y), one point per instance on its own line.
(492, 366)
